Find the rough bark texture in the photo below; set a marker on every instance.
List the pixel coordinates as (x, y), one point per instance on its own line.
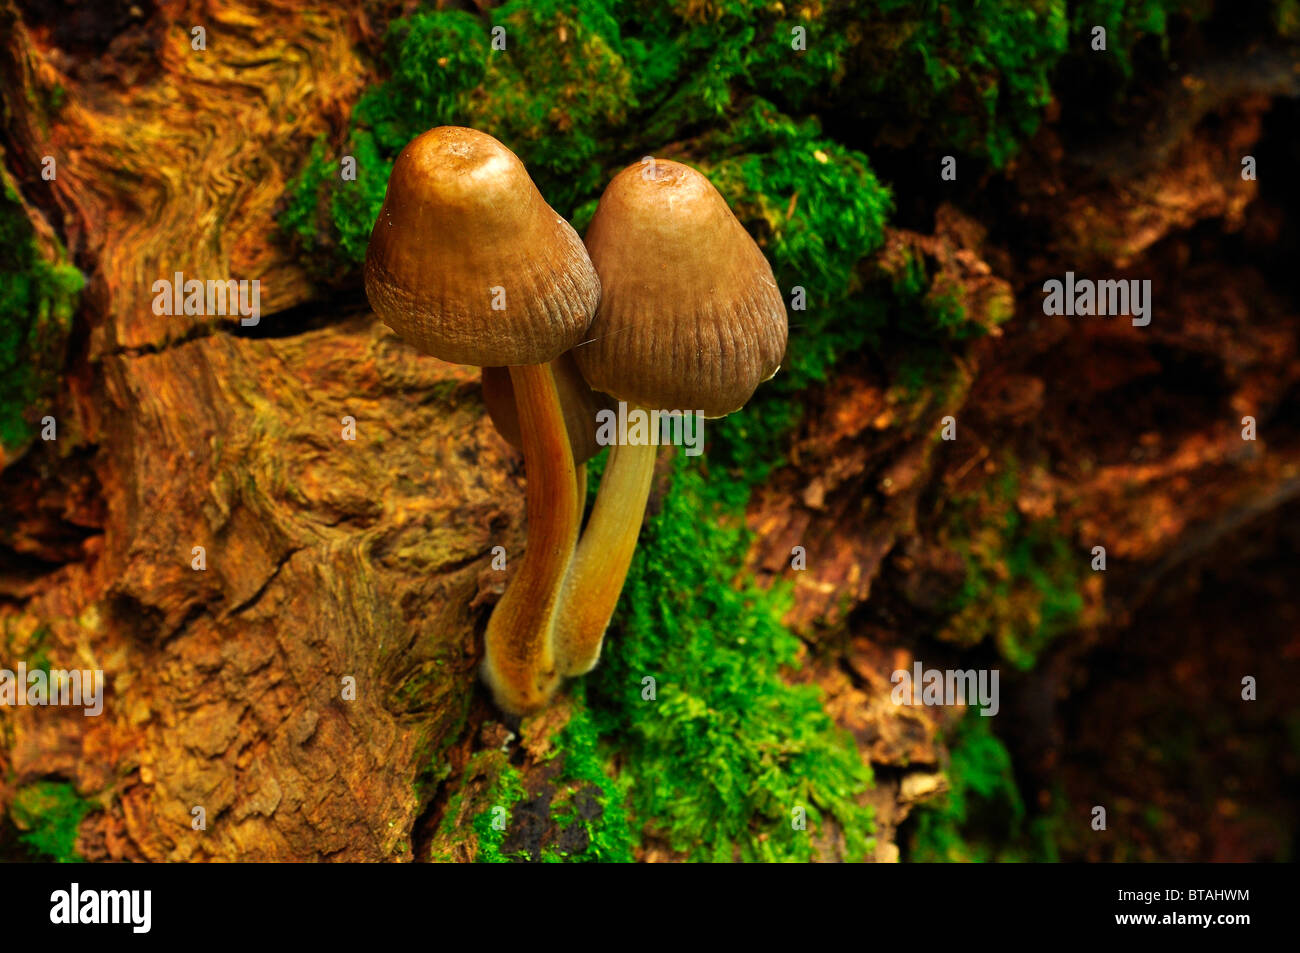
(325, 557)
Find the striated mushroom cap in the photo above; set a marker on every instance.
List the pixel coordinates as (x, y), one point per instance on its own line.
(579, 402)
(461, 218)
(690, 317)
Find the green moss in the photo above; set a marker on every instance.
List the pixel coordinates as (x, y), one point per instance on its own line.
(37, 301)
(970, 77)
(506, 791)
(559, 95)
(1023, 580)
(554, 95)
(694, 61)
(982, 818)
(302, 215)
(580, 91)
(608, 834)
(47, 815)
(975, 77)
(1128, 22)
(38, 650)
(495, 787)
(34, 647)
(719, 760)
(577, 804)
(817, 210)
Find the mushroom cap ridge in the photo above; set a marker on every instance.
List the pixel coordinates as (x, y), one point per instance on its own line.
(690, 316)
(462, 218)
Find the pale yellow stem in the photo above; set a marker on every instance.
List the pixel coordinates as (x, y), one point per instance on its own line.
(600, 564)
(519, 664)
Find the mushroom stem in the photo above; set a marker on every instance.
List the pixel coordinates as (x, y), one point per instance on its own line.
(600, 564)
(519, 665)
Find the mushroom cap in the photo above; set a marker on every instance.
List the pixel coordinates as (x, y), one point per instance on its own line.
(690, 317)
(463, 228)
(578, 401)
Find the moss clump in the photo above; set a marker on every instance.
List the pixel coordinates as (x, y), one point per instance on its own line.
(579, 91)
(493, 787)
(1023, 583)
(37, 301)
(559, 94)
(695, 61)
(973, 77)
(568, 808)
(982, 818)
(507, 790)
(1128, 22)
(555, 95)
(608, 834)
(817, 210)
(47, 815)
(726, 750)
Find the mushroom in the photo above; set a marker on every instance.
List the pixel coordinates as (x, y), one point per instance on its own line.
(468, 263)
(690, 319)
(579, 402)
